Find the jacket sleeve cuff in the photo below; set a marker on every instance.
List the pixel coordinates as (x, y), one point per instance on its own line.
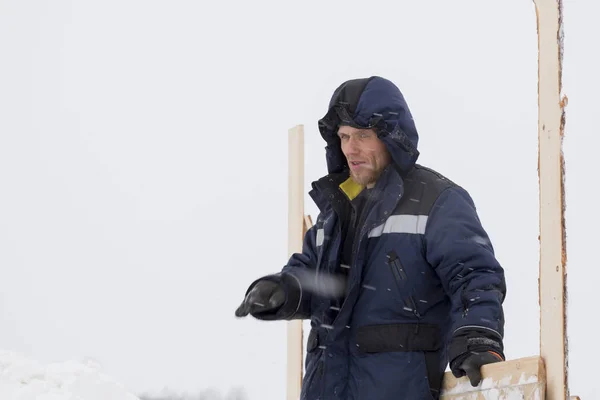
(473, 339)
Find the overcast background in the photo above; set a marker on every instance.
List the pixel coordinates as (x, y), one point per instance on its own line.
(143, 167)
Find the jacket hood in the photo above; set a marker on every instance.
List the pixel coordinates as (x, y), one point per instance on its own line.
(376, 103)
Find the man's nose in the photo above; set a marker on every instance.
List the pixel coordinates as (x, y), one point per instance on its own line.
(352, 146)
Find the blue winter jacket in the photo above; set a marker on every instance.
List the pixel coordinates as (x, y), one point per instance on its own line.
(422, 271)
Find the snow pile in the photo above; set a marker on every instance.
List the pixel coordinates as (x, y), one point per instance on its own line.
(24, 379)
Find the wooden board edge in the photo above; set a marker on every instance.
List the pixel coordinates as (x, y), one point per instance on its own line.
(502, 374)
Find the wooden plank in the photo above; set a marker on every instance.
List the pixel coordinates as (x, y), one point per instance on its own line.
(307, 225)
(552, 290)
(295, 236)
(524, 378)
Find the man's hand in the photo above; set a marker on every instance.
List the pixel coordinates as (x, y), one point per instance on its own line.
(471, 365)
(264, 296)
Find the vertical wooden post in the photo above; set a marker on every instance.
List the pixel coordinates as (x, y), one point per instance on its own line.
(552, 289)
(295, 237)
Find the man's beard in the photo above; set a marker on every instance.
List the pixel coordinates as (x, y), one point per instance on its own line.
(365, 179)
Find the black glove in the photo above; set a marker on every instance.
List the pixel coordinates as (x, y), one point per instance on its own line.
(472, 348)
(471, 366)
(264, 296)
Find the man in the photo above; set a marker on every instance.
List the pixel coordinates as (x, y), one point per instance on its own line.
(420, 285)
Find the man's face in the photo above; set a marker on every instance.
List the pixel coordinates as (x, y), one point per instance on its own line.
(367, 156)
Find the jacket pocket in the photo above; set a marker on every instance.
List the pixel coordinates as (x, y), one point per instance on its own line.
(397, 269)
(401, 279)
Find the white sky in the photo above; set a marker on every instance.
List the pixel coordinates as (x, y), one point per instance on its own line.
(143, 167)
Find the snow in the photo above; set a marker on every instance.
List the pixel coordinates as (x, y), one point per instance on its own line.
(25, 379)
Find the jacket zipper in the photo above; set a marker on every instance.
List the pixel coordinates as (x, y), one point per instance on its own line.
(356, 240)
(412, 306)
(358, 233)
(396, 267)
(400, 277)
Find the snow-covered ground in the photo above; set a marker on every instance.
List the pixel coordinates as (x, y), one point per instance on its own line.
(25, 379)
